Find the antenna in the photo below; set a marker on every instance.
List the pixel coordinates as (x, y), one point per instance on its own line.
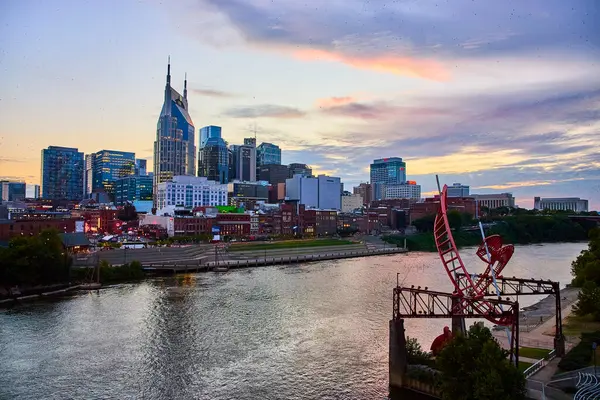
(185, 86)
(169, 71)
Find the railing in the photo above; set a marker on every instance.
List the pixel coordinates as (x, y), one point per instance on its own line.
(589, 387)
(540, 364)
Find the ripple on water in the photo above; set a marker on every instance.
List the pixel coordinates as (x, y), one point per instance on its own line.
(306, 331)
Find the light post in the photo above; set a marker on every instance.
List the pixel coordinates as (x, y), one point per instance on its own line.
(594, 346)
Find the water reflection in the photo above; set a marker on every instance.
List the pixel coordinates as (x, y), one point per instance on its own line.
(303, 331)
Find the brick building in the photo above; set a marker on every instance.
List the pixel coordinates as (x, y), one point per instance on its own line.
(10, 229)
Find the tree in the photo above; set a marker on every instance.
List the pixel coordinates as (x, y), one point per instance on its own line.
(475, 367)
(415, 353)
(455, 219)
(127, 213)
(424, 224)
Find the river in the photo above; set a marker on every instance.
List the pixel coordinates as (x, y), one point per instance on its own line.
(308, 331)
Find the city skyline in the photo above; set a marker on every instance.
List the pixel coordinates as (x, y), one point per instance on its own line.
(490, 96)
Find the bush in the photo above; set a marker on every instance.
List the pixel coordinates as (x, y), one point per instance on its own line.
(416, 355)
(126, 272)
(580, 356)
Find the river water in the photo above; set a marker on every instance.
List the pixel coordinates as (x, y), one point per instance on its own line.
(308, 331)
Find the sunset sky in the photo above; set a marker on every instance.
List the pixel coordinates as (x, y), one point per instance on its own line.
(501, 95)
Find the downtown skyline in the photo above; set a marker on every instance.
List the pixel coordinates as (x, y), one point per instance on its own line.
(499, 97)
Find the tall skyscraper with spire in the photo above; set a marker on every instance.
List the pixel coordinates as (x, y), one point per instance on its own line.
(174, 148)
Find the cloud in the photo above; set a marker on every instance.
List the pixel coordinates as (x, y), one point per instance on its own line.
(11, 160)
(213, 93)
(419, 39)
(421, 68)
(264, 111)
(334, 101)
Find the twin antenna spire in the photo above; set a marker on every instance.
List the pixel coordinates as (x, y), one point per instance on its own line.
(169, 78)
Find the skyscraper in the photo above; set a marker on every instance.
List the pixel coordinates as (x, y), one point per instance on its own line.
(386, 171)
(268, 153)
(174, 148)
(108, 166)
(208, 132)
(301, 169)
(62, 173)
(141, 166)
(245, 160)
(213, 157)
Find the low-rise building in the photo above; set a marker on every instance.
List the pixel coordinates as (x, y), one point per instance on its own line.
(352, 202)
(191, 191)
(496, 200)
(574, 204)
(458, 190)
(408, 190)
(10, 229)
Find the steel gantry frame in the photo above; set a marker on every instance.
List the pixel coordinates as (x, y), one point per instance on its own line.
(526, 287)
(411, 302)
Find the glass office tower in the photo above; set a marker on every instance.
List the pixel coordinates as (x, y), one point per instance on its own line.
(174, 148)
(62, 173)
(108, 166)
(268, 153)
(386, 171)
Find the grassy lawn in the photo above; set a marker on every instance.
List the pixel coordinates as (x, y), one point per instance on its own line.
(289, 244)
(532, 352)
(524, 365)
(575, 325)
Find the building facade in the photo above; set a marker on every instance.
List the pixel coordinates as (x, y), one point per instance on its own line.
(208, 132)
(174, 148)
(133, 188)
(458, 190)
(273, 173)
(13, 191)
(62, 173)
(141, 166)
(408, 190)
(244, 157)
(492, 201)
(246, 194)
(299, 169)
(574, 204)
(351, 202)
(32, 191)
(365, 191)
(190, 191)
(108, 166)
(323, 192)
(384, 172)
(268, 153)
(213, 160)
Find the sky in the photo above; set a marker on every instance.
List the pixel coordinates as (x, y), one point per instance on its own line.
(501, 95)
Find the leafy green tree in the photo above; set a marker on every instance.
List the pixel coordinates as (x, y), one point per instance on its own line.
(588, 301)
(455, 219)
(475, 367)
(424, 224)
(416, 354)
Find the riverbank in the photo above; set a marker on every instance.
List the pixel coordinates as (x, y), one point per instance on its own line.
(66, 289)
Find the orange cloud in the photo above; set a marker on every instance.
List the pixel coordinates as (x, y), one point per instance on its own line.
(334, 101)
(427, 69)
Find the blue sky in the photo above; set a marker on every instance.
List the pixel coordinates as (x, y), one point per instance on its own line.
(504, 96)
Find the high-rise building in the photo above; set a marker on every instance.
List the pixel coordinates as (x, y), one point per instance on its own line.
(386, 171)
(365, 191)
(62, 173)
(32, 191)
(267, 153)
(133, 188)
(273, 173)
(458, 190)
(208, 132)
(191, 191)
(574, 204)
(108, 166)
(12, 191)
(408, 190)
(324, 192)
(88, 175)
(244, 157)
(141, 166)
(302, 169)
(213, 158)
(174, 148)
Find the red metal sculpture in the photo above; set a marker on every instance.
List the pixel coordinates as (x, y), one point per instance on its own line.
(470, 288)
